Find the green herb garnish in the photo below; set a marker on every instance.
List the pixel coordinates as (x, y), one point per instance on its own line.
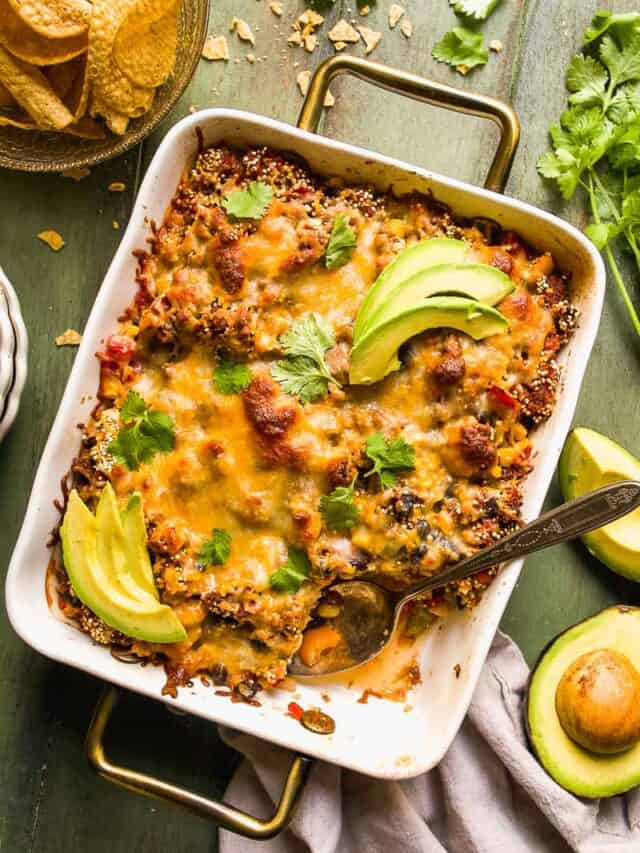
(144, 433)
(230, 377)
(479, 10)
(294, 572)
(389, 458)
(339, 509)
(461, 47)
(342, 242)
(251, 203)
(304, 372)
(596, 145)
(216, 551)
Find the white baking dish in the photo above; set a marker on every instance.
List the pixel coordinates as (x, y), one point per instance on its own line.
(380, 738)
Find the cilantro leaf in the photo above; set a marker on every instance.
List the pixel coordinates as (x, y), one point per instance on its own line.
(622, 62)
(586, 80)
(230, 377)
(461, 46)
(339, 509)
(293, 574)
(304, 372)
(301, 378)
(251, 203)
(342, 242)
(602, 22)
(388, 457)
(144, 432)
(216, 551)
(477, 9)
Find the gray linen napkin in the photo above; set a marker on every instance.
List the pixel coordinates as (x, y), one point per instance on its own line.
(488, 794)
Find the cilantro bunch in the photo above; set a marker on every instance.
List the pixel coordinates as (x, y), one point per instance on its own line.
(596, 145)
(303, 372)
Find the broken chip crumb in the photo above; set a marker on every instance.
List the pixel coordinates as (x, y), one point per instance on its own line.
(310, 19)
(276, 8)
(117, 187)
(251, 58)
(343, 32)
(295, 38)
(115, 225)
(310, 42)
(370, 37)
(53, 240)
(70, 338)
(364, 10)
(395, 13)
(406, 28)
(339, 45)
(329, 100)
(243, 30)
(302, 80)
(216, 48)
(496, 45)
(462, 69)
(77, 173)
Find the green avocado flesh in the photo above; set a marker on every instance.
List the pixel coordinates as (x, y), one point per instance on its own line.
(408, 262)
(376, 354)
(474, 281)
(135, 534)
(97, 561)
(580, 771)
(590, 460)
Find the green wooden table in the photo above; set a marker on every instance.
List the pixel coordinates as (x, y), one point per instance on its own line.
(50, 801)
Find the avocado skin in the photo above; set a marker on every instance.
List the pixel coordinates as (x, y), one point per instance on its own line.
(574, 458)
(375, 355)
(581, 780)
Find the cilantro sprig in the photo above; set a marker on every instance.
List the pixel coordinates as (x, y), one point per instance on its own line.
(143, 433)
(595, 146)
(479, 10)
(294, 572)
(229, 377)
(461, 48)
(339, 509)
(389, 458)
(217, 550)
(304, 372)
(341, 245)
(251, 203)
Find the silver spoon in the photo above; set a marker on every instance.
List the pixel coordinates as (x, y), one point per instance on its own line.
(369, 614)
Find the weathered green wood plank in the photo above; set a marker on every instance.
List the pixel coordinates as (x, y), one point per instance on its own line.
(50, 800)
(566, 584)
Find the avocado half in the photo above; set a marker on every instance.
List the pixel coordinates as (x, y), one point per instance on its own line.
(590, 460)
(584, 773)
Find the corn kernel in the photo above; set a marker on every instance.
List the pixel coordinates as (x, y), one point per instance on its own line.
(328, 611)
(519, 432)
(496, 471)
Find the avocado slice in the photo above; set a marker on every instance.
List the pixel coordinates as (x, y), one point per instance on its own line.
(140, 616)
(590, 460)
(474, 281)
(408, 262)
(584, 773)
(135, 534)
(376, 353)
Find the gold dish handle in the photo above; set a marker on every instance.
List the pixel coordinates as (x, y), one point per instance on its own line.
(224, 815)
(437, 94)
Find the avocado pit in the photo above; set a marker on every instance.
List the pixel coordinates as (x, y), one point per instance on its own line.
(598, 702)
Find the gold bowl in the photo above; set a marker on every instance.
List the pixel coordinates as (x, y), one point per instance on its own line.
(43, 151)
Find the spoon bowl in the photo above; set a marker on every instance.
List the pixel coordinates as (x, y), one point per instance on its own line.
(368, 614)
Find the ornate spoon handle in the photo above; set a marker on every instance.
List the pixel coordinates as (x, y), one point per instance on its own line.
(567, 521)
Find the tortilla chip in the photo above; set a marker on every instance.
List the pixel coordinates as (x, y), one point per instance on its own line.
(53, 240)
(16, 118)
(146, 51)
(23, 42)
(70, 338)
(86, 128)
(33, 92)
(62, 76)
(112, 88)
(6, 99)
(77, 98)
(54, 19)
(116, 122)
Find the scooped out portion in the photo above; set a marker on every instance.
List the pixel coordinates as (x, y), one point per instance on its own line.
(583, 708)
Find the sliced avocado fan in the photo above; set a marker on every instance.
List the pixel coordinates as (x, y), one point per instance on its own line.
(376, 353)
(590, 460)
(99, 564)
(408, 262)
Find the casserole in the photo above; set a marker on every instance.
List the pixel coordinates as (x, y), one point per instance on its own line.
(416, 739)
